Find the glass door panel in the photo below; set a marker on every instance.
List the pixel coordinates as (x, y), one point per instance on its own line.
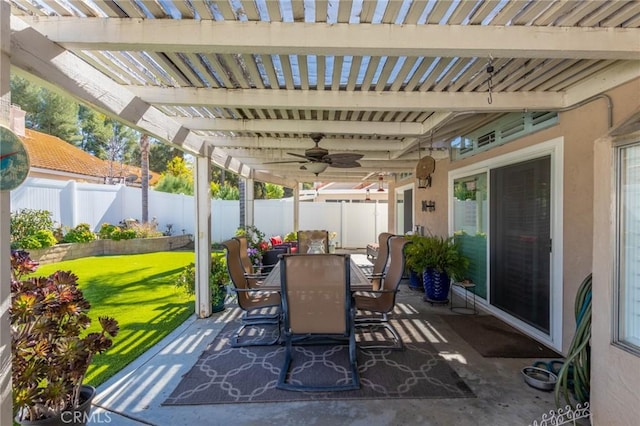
(520, 241)
(470, 226)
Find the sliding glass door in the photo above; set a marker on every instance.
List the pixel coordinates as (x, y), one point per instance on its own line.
(520, 240)
(404, 209)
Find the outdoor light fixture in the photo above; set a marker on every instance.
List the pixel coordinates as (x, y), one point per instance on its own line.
(317, 167)
(425, 167)
(380, 183)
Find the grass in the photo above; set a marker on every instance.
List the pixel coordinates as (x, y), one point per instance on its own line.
(139, 292)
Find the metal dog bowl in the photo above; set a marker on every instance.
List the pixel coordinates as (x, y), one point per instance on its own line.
(539, 378)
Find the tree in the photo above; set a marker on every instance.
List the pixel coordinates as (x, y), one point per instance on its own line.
(57, 115)
(160, 154)
(178, 167)
(96, 132)
(25, 95)
(120, 149)
(174, 184)
(274, 191)
(177, 179)
(47, 111)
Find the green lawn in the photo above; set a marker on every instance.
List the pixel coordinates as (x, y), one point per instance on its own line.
(138, 291)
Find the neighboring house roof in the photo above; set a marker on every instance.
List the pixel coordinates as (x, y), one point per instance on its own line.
(52, 153)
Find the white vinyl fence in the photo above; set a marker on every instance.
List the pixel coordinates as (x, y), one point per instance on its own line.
(71, 203)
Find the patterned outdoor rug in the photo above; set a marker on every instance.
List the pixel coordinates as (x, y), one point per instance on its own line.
(226, 375)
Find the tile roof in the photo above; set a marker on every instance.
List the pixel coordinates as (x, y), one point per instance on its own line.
(52, 153)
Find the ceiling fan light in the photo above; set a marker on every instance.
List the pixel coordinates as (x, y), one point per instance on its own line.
(317, 168)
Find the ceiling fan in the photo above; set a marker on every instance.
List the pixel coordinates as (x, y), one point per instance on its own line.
(317, 159)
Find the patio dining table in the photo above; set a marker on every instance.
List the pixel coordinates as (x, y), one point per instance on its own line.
(359, 281)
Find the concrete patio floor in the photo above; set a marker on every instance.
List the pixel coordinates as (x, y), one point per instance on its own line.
(134, 396)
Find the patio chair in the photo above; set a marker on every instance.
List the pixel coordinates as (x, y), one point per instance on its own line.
(270, 258)
(259, 306)
(316, 240)
(247, 265)
(316, 300)
(380, 264)
(379, 303)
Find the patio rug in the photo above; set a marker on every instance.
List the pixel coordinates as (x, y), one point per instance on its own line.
(494, 338)
(228, 375)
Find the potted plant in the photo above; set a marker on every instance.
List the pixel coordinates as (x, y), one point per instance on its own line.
(218, 279)
(48, 317)
(440, 260)
(413, 253)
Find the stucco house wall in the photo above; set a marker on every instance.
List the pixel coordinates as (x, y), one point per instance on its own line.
(579, 128)
(615, 373)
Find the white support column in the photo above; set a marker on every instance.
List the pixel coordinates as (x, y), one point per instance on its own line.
(296, 207)
(249, 197)
(6, 410)
(203, 235)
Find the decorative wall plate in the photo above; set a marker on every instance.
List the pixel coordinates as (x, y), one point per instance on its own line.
(14, 160)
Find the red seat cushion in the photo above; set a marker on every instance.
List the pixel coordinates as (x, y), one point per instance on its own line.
(276, 240)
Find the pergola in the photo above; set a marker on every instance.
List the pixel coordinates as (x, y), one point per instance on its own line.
(246, 82)
(243, 83)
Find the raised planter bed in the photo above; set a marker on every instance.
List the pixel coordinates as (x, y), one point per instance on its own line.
(108, 247)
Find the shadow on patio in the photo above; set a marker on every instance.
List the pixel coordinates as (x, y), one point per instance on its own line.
(135, 396)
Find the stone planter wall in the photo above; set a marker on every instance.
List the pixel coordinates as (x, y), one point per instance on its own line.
(108, 247)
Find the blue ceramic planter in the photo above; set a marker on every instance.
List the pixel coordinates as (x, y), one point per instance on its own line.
(415, 281)
(436, 286)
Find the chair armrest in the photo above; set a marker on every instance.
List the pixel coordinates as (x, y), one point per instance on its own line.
(256, 276)
(255, 290)
(376, 275)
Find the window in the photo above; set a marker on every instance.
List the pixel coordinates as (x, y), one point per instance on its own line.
(628, 247)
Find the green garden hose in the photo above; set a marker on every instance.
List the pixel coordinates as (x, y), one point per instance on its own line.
(574, 375)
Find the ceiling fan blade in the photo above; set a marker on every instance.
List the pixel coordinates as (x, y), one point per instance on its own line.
(285, 162)
(343, 157)
(347, 165)
(298, 155)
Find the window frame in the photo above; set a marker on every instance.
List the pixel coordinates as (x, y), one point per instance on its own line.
(617, 339)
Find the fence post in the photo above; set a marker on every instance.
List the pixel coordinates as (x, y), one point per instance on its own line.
(69, 198)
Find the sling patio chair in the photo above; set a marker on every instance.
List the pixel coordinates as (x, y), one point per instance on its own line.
(260, 307)
(316, 300)
(373, 307)
(248, 267)
(314, 241)
(380, 264)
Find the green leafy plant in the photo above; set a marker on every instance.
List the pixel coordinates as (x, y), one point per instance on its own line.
(80, 234)
(41, 239)
(106, 231)
(442, 254)
(31, 228)
(291, 237)
(48, 317)
(218, 279)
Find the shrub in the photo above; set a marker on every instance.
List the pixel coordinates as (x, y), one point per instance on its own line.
(218, 278)
(106, 231)
(41, 239)
(80, 234)
(51, 351)
(145, 230)
(26, 223)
